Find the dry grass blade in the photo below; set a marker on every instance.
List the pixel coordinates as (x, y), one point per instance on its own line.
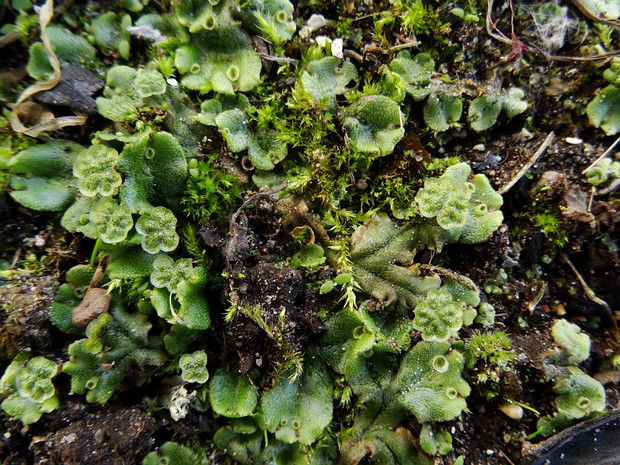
(45, 15)
(605, 153)
(586, 12)
(529, 164)
(593, 297)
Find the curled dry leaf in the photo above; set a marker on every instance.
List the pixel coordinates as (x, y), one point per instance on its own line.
(96, 301)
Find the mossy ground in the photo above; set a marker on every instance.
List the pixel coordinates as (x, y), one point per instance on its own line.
(549, 214)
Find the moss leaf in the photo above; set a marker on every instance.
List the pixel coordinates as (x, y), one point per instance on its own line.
(299, 410)
(380, 254)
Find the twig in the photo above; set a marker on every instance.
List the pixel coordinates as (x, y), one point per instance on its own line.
(500, 36)
(371, 15)
(601, 56)
(611, 147)
(174, 314)
(592, 194)
(490, 24)
(610, 22)
(413, 44)
(255, 198)
(278, 59)
(529, 164)
(505, 457)
(593, 297)
(351, 54)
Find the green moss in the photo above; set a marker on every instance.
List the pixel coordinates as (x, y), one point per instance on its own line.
(232, 395)
(41, 176)
(438, 317)
(194, 367)
(27, 388)
(209, 190)
(374, 124)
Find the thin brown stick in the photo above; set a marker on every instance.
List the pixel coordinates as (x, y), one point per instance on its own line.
(278, 59)
(611, 147)
(529, 164)
(610, 22)
(501, 37)
(490, 24)
(593, 297)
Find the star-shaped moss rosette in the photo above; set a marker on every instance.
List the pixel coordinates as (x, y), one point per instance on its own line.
(27, 385)
(169, 273)
(95, 169)
(158, 229)
(439, 317)
(113, 221)
(194, 367)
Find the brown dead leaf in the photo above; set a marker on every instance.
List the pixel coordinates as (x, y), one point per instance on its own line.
(95, 303)
(577, 206)
(295, 213)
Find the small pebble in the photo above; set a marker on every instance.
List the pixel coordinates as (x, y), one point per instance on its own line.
(512, 411)
(337, 47)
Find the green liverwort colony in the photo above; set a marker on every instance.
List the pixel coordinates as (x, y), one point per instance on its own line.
(272, 157)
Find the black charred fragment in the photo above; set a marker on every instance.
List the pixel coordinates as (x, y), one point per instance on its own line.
(75, 90)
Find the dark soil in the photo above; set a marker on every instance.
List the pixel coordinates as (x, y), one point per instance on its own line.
(539, 287)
